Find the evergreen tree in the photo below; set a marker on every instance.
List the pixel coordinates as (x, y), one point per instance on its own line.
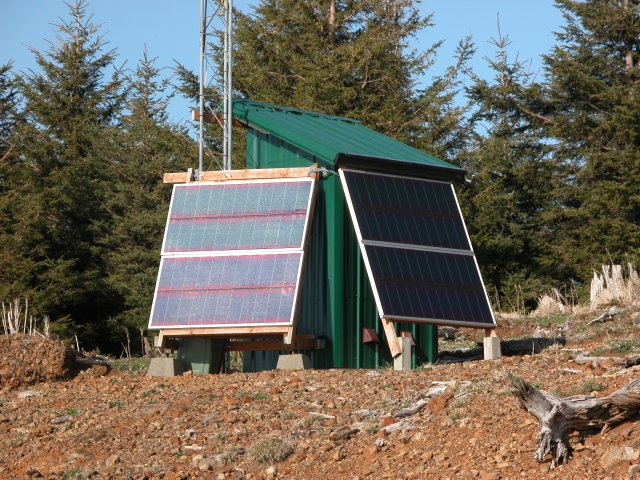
(12, 264)
(514, 180)
(9, 116)
(589, 107)
(351, 58)
(145, 146)
(60, 179)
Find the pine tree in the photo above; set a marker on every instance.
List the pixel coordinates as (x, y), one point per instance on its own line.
(60, 179)
(145, 146)
(589, 107)
(9, 115)
(12, 264)
(350, 58)
(513, 182)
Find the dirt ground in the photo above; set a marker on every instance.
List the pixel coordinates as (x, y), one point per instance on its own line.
(324, 424)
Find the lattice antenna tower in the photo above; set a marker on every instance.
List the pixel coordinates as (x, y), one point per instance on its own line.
(212, 14)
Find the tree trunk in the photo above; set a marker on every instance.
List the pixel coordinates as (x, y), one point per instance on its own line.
(559, 417)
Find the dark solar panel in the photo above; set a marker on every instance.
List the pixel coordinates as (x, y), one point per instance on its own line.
(406, 210)
(418, 255)
(428, 285)
(226, 290)
(237, 216)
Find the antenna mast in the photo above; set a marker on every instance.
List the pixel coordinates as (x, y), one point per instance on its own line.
(221, 10)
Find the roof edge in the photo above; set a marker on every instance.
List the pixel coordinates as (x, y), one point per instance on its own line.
(386, 165)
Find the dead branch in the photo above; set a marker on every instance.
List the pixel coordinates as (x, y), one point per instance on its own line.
(412, 410)
(558, 417)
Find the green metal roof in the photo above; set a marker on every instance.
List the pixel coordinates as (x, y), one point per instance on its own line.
(336, 140)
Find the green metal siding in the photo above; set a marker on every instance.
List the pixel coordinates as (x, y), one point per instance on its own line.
(337, 300)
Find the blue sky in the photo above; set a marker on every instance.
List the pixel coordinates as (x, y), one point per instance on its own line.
(169, 28)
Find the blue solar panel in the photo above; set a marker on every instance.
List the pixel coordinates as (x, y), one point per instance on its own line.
(226, 290)
(232, 254)
(237, 216)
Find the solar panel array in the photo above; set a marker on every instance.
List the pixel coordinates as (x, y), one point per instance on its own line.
(232, 254)
(416, 250)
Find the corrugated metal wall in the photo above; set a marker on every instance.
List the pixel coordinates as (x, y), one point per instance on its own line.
(337, 301)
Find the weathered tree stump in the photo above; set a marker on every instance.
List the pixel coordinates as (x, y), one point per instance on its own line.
(559, 417)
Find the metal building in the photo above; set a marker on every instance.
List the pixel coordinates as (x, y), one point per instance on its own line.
(337, 301)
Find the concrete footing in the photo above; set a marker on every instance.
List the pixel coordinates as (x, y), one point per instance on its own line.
(295, 361)
(492, 349)
(165, 367)
(403, 361)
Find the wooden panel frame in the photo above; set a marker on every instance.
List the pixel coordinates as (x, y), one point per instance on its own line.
(244, 174)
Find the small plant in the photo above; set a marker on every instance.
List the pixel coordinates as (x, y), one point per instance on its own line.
(311, 419)
(261, 396)
(537, 386)
(113, 380)
(73, 474)
(288, 415)
(133, 364)
(456, 414)
(371, 427)
(385, 365)
(270, 450)
(115, 403)
(591, 385)
(71, 411)
(222, 437)
(229, 455)
(625, 345)
(151, 391)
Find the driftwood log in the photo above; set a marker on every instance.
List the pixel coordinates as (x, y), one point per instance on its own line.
(559, 417)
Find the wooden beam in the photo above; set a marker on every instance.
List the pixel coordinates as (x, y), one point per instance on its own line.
(228, 332)
(216, 118)
(303, 342)
(392, 338)
(244, 174)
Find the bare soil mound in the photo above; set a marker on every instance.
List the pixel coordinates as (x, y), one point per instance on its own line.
(27, 359)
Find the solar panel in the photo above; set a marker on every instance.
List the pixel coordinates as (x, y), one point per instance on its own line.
(416, 250)
(406, 210)
(226, 290)
(237, 216)
(232, 254)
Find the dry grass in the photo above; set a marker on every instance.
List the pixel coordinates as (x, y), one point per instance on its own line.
(270, 450)
(17, 319)
(552, 303)
(615, 286)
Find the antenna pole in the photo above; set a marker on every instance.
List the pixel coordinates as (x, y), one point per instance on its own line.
(222, 11)
(203, 47)
(228, 90)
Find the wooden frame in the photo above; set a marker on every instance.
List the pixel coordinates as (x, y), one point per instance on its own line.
(244, 174)
(287, 333)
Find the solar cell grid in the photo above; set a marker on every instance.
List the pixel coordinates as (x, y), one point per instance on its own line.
(232, 254)
(416, 250)
(429, 285)
(406, 210)
(223, 290)
(237, 216)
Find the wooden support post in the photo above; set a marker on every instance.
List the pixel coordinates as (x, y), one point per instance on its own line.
(289, 337)
(392, 338)
(491, 344)
(403, 361)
